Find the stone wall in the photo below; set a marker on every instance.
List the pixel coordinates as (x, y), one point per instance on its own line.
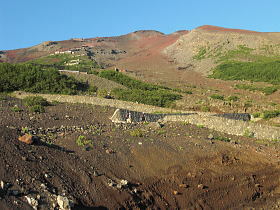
(209, 120)
(125, 116)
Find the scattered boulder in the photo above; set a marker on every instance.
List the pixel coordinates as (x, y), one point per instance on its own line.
(32, 202)
(109, 151)
(2, 185)
(183, 185)
(154, 125)
(123, 183)
(210, 136)
(63, 203)
(26, 138)
(175, 192)
(201, 186)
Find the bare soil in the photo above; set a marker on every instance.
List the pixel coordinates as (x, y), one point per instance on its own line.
(176, 166)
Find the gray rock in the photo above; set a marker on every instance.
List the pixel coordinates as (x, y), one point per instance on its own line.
(154, 125)
(63, 203)
(2, 185)
(32, 202)
(210, 136)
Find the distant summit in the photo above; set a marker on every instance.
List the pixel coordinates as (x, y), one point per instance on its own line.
(217, 28)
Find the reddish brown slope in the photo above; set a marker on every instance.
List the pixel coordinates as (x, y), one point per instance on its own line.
(217, 28)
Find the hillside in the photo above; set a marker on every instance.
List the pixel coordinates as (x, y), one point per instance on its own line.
(183, 60)
(146, 120)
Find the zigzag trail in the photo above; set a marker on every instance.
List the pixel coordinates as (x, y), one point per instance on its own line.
(208, 120)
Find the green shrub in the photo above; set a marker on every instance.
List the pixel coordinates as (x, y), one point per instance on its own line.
(233, 98)
(3, 96)
(16, 109)
(102, 93)
(200, 126)
(205, 108)
(261, 71)
(136, 133)
(269, 90)
(128, 81)
(266, 90)
(248, 133)
(222, 138)
(270, 114)
(160, 98)
(37, 109)
(92, 89)
(218, 97)
(35, 79)
(83, 141)
(257, 114)
(35, 100)
(201, 54)
(92, 71)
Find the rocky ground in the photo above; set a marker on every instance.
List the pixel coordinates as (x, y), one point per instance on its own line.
(81, 160)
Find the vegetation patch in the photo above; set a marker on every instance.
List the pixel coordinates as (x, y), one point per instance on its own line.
(201, 54)
(137, 133)
(248, 133)
(233, 98)
(16, 109)
(34, 79)
(35, 103)
(218, 97)
(241, 52)
(270, 114)
(160, 98)
(266, 90)
(35, 100)
(128, 81)
(82, 141)
(222, 138)
(261, 71)
(139, 91)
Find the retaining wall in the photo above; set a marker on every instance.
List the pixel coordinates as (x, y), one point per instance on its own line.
(209, 120)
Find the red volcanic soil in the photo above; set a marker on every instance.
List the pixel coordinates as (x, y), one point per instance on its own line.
(148, 54)
(217, 28)
(173, 167)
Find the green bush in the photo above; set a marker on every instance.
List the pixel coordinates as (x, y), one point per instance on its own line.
(35, 100)
(205, 108)
(233, 98)
(136, 133)
(16, 109)
(92, 89)
(37, 109)
(222, 138)
(201, 54)
(128, 81)
(139, 91)
(83, 141)
(216, 96)
(269, 90)
(160, 98)
(266, 90)
(270, 114)
(34, 79)
(257, 114)
(102, 93)
(261, 71)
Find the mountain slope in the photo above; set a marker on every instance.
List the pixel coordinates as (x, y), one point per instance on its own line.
(152, 53)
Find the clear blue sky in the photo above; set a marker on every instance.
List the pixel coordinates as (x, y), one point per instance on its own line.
(24, 23)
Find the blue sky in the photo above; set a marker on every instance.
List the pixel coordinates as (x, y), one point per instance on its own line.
(24, 23)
